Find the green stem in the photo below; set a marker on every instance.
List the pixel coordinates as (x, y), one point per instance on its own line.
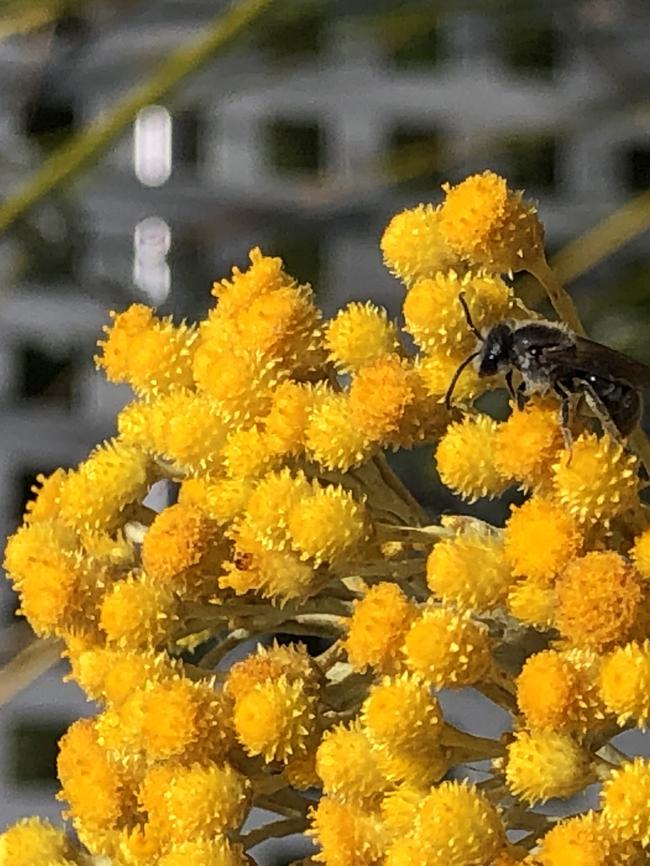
(274, 830)
(79, 151)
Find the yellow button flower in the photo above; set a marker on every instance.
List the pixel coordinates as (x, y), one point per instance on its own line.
(413, 245)
(377, 628)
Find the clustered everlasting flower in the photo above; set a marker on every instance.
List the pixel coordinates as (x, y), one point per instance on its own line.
(267, 428)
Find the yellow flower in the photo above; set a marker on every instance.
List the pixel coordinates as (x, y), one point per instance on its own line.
(400, 713)
(640, 554)
(532, 602)
(286, 422)
(138, 612)
(331, 439)
(625, 683)
(413, 246)
(45, 505)
(93, 497)
(275, 574)
(491, 226)
(113, 674)
(452, 573)
(205, 799)
(328, 524)
(437, 369)
(399, 808)
(275, 718)
(151, 354)
(598, 597)
(447, 649)
(558, 692)
(377, 627)
(91, 783)
(348, 766)
(185, 718)
(187, 429)
(347, 835)
(389, 403)
(435, 318)
(249, 453)
(271, 502)
(267, 664)
(239, 382)
(221, 500)
(597, 480)
(466, 461)
(45, 564)
(183, 549)
(408, 851)
(541, 765)
(540, 539)
(527, 443)
(33, 842)
(217, 851)
(359, 335)
(459, 821)
(265, 275)
(625, 800)
(583, 840)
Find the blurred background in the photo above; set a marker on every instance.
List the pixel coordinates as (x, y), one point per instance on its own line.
(304, 134)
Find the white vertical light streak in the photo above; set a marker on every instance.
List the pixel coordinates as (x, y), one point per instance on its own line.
(151, 244)
(152, 145)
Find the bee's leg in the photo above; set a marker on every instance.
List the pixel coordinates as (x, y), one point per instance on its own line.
(564, 394)
(521, 393)
(602, 413)
(510, 386)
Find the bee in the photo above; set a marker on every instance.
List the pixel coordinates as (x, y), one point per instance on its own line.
(550, 357)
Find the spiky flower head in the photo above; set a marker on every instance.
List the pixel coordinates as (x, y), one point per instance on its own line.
(401, 713)
(267, 664)
(597, 600)
(625, 801)
(540, 539)
(205, 799)
(597, 479)
(584, 840)
(528, 442)
(532, 602)
(413, 246)
(346, 834)
(544, 764)
(625, 683)
(264, 275)
(275, 718)
(291, 405)
(348, 766)
(435, 317)
(465, 458)
(250, 453)
(216, 851)
(150, 354)
(557, 691)
(377, 628)
(31, 842)
(328, 524)
(641, 554)
(138, 612)
(447, 649)
(458, 821)
(270, 504)
(46, 490)
(490, 225)
(358, 335)
(453, 576)
(331, 439)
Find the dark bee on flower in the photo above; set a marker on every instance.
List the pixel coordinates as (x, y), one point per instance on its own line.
(550, 357)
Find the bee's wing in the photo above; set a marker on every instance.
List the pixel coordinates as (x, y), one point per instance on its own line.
(588, 356)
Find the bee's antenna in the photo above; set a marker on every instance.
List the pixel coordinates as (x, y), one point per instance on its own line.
(468, 317)
(456, 377)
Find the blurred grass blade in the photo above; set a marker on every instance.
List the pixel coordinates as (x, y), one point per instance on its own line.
(74, 155)
(27, 665)
(603, 239)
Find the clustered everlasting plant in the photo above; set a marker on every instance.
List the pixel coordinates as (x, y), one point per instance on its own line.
(272, 424)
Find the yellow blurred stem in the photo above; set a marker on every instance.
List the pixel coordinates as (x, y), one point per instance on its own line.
(76, 152)
(557, 294)
(27, 665)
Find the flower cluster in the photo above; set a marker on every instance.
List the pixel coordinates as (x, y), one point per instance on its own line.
(267, 427)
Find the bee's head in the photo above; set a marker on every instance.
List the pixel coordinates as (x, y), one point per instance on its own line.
(495, 355)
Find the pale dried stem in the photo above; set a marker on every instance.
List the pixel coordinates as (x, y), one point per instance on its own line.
(274, 830)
